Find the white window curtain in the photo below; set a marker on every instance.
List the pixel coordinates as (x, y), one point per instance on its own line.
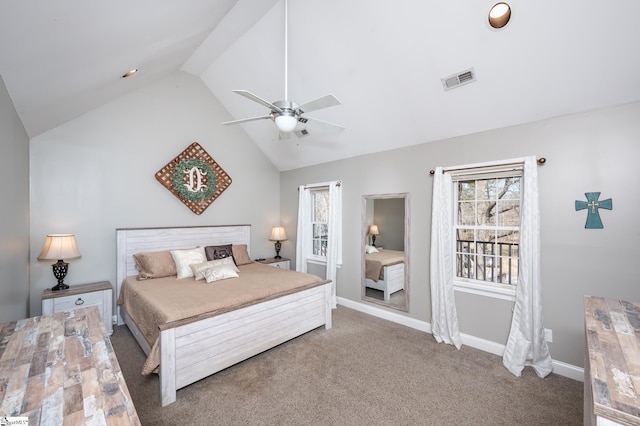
(304, 229)
(334, 237)
(444, 321)
(526, 344)
(334, 245)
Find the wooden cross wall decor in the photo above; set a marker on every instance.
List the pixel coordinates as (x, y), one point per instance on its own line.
(593, 206)
(194, 177)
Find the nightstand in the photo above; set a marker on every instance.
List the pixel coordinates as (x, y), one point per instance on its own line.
(283, 262)
(98, 294)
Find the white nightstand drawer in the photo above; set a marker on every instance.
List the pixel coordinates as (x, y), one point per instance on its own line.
(284, 264)
(78, 301)
(98, 294)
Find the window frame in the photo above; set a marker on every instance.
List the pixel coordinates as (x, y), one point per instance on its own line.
(470, 285)
(312, 257)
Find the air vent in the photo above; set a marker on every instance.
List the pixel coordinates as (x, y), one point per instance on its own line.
(459, 79)
(302, 133)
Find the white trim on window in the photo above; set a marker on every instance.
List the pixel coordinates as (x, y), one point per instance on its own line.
(314, 258)
(497, 291)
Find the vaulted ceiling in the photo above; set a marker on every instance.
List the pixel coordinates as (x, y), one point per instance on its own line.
(383, 60)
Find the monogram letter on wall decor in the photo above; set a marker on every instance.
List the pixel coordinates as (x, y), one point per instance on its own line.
(194, 177)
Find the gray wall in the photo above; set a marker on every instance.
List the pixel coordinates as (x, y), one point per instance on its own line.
(593, 151)
(97, 173)
(388, 214)
(14, 226)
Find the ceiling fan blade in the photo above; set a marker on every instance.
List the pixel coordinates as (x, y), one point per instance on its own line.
(244, 120)
(257, 99)
(319, 103)
(324, 125)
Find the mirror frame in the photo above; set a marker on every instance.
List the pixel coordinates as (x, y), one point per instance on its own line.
(363, 242)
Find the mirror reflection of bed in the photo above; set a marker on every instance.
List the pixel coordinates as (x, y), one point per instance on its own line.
(385, 230)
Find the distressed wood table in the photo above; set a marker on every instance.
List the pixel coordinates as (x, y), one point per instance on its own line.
(612, 362)
(61, 369)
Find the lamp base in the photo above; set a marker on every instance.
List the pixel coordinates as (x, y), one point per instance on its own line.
(60, 286)
(60, 271)
(278, 247)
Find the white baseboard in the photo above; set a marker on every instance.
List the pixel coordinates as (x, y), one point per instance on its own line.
(384, 314)
(568, 370)
(559, 367)
(482, 344)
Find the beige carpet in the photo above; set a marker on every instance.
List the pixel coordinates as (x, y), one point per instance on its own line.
(364, 371)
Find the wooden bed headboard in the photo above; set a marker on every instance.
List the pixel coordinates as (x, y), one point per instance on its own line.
(135, 240)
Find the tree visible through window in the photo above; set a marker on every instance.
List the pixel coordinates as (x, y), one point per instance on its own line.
(319, 221)
(487, 226)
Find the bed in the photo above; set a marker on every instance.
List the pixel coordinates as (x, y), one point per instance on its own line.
(192, 347)
(384, 271)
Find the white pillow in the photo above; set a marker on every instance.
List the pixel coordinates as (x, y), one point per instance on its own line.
(220, 272)
(199, 268)
(370, 249)
(184, 258)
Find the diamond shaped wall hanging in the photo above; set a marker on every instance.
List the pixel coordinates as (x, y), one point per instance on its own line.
(194, 177)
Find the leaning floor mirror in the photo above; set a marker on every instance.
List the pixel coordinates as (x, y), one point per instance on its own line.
(385, 249)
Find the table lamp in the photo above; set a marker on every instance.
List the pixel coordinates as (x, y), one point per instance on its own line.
(373, 231)
(277, 235)
(59, 247)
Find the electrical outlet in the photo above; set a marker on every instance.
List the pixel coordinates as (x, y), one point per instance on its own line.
(548, 335)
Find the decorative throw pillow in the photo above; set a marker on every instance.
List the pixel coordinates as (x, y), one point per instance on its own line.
(220, 272)
(370, 249)
(154, 264)
(240, 254)
(199, 268)
(218, 252)
(184, 258)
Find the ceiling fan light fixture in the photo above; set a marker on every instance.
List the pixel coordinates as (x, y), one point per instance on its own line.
(499, 15)
(286, 114)
(286, 123)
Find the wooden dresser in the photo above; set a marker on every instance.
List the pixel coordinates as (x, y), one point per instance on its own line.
(61, 369)
(612, 362)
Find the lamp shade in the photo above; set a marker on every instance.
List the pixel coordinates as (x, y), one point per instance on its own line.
(286, 123)
(373, 230)
(59, 246)
(278, 234)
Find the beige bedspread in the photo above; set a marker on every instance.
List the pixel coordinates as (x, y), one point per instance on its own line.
(159, 303)
(374, 262)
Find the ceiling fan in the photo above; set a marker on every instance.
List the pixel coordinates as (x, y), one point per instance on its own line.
(287, 114)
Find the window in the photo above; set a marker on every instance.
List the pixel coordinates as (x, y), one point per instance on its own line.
(319, 223)
(487, 228)
(319, 238)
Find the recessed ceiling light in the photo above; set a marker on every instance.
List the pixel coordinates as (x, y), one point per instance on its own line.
(130, 73)
(499, 15)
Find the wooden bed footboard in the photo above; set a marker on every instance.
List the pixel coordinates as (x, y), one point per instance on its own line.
(196, 350)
